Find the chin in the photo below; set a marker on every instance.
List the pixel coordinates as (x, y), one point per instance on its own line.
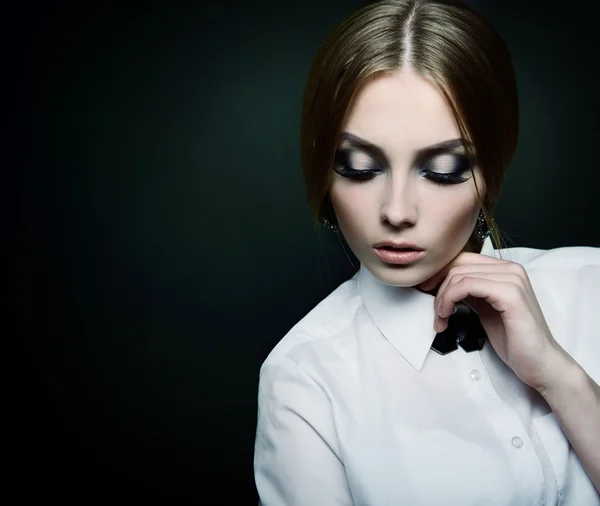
(404, 277)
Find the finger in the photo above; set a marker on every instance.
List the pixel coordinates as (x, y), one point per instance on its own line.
(463, 259)
(457, 272)
(499, 293)
(482, 284)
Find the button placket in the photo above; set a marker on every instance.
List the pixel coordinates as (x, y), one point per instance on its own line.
(506, 424)
(517, 442)
(475, 374)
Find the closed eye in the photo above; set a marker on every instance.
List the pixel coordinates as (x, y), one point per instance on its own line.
(444, 169)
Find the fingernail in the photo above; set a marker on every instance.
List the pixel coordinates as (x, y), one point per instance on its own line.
(438, 325)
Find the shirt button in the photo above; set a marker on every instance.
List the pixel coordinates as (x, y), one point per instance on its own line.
(517, 442)
(475, 375)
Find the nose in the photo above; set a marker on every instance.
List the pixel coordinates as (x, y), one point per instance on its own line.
(399, 203)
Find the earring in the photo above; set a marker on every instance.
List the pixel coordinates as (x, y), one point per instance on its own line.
(482, 229)
(327, 224)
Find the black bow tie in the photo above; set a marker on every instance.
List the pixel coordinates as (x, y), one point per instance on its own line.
(464, 330)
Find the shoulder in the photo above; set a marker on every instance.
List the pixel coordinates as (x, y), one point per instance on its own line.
(556, 259)
(319, 327)
(569, 273)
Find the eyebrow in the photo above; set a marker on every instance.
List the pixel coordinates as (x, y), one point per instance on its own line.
(379, 153)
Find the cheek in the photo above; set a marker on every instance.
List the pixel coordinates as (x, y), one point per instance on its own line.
(454, 211)
(451, 209)
(350, 202)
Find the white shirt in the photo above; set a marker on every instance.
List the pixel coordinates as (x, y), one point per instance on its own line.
(355, 409)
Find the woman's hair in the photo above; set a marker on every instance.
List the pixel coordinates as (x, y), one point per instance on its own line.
(444, 41)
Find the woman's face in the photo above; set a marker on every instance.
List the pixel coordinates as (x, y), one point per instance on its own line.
(413, 182)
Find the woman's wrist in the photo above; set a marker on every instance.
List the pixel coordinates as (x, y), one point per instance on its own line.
(565, 377)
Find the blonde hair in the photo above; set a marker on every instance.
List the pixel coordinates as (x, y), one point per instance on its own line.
(446, 42)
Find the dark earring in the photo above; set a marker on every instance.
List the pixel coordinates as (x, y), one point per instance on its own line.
(330, 226)
(331, 223)
(482, 229)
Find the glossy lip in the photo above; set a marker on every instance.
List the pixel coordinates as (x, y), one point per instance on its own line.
(398, 257)
(405, 245)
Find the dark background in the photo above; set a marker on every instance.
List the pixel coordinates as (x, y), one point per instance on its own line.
(165, 244)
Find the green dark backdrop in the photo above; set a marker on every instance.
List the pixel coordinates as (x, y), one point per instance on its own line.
(165, 244)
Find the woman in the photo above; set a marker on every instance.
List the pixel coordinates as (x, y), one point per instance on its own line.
(409, 125)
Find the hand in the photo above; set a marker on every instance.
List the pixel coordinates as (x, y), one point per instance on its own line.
(501, 294)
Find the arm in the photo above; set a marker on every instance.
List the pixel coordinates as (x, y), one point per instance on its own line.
(295, 461)
(575, 399)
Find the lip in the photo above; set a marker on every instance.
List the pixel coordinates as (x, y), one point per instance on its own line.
(404, 245)
(398, 257)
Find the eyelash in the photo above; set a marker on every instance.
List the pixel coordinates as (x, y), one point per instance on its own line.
(362, 176)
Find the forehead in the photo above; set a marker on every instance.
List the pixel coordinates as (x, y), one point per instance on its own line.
(401, 112)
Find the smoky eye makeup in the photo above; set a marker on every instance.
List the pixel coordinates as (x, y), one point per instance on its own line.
(446, 163)
(354, 163)
(440, 165)
(447, 168)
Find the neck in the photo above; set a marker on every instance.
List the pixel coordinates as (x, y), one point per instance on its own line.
(430, 292)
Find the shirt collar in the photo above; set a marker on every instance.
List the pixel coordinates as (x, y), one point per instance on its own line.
(404, 315)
